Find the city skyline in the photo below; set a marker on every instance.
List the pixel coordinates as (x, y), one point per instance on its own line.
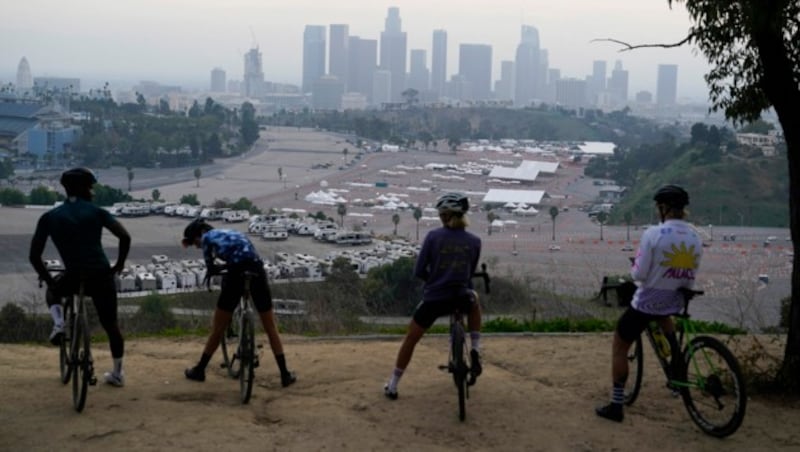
(219, 35)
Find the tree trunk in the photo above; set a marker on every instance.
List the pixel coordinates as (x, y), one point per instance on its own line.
(783, 93)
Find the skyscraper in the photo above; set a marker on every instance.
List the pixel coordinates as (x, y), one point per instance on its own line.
(597, 82)
(362, 63)
(504, 88)
(571, 92)
(439, 62)
(475, 65)
(218, 80)
(313, 55)
(618, 85)
(393, 52)
(24, 78)
(527, 67)
(338, 52)
(667, 86)
(253, 74)
(418, 74)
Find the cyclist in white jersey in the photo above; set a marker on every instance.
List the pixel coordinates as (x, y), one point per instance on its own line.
(667, 259)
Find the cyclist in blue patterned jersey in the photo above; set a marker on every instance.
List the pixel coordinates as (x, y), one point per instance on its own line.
(76, 227)
(446, 262)
(239, 255)
(667, 259)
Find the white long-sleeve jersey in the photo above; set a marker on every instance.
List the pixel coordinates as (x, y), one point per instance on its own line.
(667, 259)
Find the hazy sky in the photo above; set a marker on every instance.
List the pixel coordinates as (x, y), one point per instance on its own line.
(180, 41)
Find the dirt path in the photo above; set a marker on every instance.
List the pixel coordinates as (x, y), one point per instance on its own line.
(537, 393)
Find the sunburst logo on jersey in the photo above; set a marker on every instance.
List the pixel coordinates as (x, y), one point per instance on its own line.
(680, 257)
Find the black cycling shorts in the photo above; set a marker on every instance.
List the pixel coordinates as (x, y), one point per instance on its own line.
(632, 322)
(427, 312)
(233, 288)
(100, 286)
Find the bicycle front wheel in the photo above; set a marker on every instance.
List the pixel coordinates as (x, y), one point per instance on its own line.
(635, 366)
(64, 348)
(247, 357)
(458, 363)
(714, 390)
(81, 362)
(229, 345)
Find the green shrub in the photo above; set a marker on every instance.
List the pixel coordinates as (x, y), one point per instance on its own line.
(154, 315)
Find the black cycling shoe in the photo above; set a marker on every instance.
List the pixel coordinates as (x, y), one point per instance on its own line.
(288, 379)
(391, 395)
(475, 360)
(195, 373)
(612, 411)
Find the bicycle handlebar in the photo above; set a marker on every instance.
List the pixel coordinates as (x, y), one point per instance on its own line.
(483, 274)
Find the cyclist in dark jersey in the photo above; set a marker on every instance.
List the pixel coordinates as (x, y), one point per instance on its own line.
(447, 261)
(76, 228)
(239, 255)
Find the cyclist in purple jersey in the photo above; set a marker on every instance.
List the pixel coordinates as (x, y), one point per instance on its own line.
(667, 259)
(240, 256)
(447, 261)
(76, 227)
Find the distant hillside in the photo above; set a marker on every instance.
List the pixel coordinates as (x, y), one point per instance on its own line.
(731, 191)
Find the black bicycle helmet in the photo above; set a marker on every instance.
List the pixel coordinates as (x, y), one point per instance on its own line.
(78, 177)
(672, 195)
(194, 229)
(452, 202)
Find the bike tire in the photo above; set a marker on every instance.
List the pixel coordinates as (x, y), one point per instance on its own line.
(714, 394)
(635, 368)
(64, 348)
(247, 356)
(460, 369)
(81, 362)
(230, 344)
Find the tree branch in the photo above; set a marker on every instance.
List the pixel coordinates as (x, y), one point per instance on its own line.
(627, 46)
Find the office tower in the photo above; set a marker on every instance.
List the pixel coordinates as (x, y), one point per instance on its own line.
(439, 63)
(253, 84)
(362, 62)
(381, 87)
(24, 78)
(596, 84)
(313, 55)
(218, 80)
(504, 88)
(571, 92)
(667, 86)
(475, 65)
(419, 75)
(393, 52)
(553, 76)
(644, 97)
(544, 66)
(338, 52)
(459, 88)
(527, 67)
(326, 93)
(618, 85)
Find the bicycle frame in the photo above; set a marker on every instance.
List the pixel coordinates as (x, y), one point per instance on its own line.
(684, 332)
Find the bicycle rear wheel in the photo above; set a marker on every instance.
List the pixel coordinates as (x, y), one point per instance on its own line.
(247, 353)
(635, 366)
(714, 392)
(64, 347)
(459, 367)
(81, 362)
(229, 345)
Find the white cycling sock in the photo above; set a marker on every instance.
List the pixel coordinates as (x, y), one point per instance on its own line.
(475, 338)
(395, 379)
(58, 315)
(118, 366)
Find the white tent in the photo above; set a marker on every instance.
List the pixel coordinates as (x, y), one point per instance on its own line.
(503, 196)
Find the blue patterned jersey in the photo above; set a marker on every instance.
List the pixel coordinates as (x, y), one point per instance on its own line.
(231, 246)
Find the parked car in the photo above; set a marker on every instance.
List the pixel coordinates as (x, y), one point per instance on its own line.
(552, 248)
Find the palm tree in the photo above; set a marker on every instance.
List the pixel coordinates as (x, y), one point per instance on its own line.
(130, 177)
(395, 220)
(490, 217)
(341, 209)
(197, 174)
(280, 172)
(553, 215)
(417, 216)
(601, 218)
(156, 194)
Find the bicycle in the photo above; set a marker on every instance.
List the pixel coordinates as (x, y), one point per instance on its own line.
(707, 377)
(239, 354)
(459, 363)
(75, 354)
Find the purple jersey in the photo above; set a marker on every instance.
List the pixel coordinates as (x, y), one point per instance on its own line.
(446, 262)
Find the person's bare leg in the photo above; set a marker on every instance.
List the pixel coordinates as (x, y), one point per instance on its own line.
(271, 328)
(414, 334)
(218, 326)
